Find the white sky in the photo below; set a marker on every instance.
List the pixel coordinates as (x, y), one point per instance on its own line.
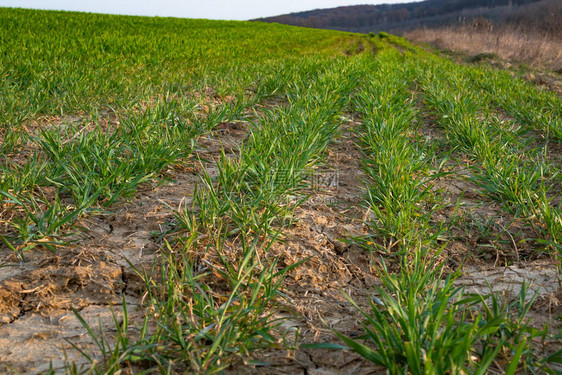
(212, 9)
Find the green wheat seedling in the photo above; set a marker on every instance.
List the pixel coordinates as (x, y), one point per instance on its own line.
(202, 123)
(511, 181)
(24, 178)
(205, 329)
(422, 324)
(39, 223)
(12, 138)
(257, 188)
(235, 203)
(124, 350)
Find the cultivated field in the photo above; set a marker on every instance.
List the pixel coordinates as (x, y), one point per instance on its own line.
(191, 196)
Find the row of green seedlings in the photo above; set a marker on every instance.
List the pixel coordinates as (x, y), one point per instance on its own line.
(210, 314)
(535, 109)
(264, 183)
(400, 205)
(85, 170)
(420, 322)
(505, 165)
(27, 93)
(258, 81)
(72, 170)
(539, 110)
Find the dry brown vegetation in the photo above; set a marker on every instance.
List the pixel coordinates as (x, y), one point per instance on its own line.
(537, 49)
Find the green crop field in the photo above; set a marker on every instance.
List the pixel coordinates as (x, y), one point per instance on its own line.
(193, 196)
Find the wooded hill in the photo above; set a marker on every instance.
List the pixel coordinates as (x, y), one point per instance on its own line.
(430, 13)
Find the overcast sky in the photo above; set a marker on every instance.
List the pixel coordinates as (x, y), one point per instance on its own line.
(212, 9)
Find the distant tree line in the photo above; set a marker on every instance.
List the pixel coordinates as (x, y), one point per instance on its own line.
(544, 15)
